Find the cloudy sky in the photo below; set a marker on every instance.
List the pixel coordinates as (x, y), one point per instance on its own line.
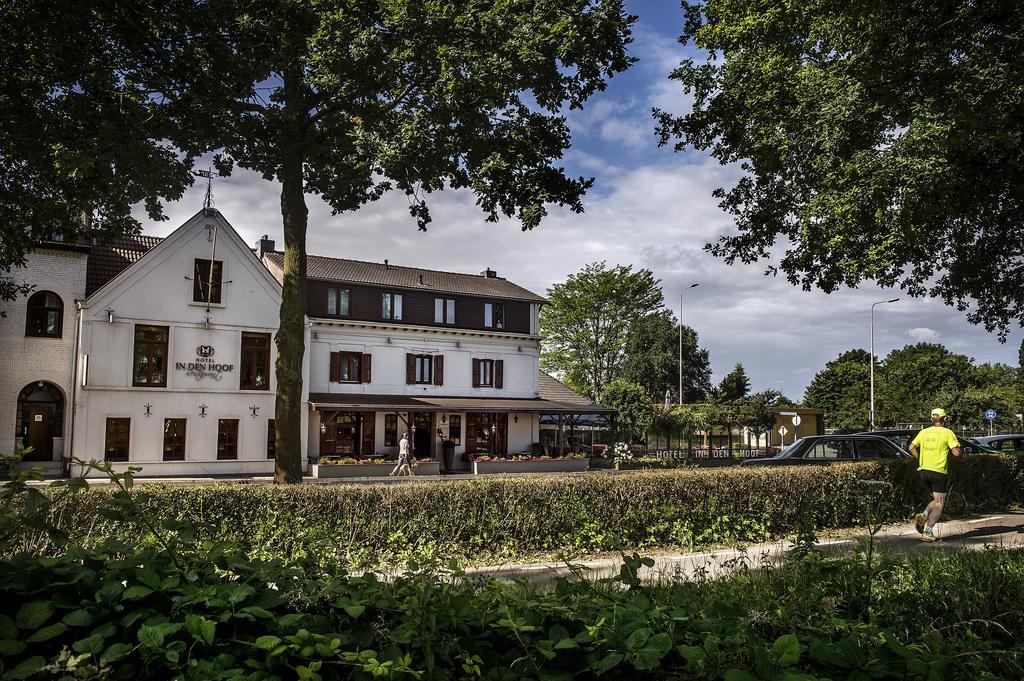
(650, 207)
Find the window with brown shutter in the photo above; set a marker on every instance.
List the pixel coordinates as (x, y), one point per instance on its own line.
(349, 367)
(439, 370)
(335, 367)
(410, 368)
(365, 378)
(499, 373)
(476, 373)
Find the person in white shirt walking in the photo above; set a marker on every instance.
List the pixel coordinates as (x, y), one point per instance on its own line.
(403, 458)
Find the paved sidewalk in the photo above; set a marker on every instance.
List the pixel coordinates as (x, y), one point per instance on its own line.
(1003, 530)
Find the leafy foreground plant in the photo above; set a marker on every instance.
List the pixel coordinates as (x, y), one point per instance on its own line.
(198, 610)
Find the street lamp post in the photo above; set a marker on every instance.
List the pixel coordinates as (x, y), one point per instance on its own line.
(871, 416)
(681, 340)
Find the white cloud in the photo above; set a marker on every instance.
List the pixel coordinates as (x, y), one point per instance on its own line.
(923, 334)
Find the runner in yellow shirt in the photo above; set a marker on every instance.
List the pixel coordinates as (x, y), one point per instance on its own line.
(932, 447)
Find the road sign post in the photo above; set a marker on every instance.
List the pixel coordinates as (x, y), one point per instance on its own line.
(990, 414)
(782, 435)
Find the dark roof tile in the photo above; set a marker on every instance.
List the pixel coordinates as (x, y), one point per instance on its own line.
(108, 260)
(394, 276)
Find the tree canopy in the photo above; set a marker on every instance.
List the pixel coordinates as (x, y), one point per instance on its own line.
(634, 409)
(877, 141)
(652, 358)
(588, 320)
(344, 99)
(842, 388)
(734, 386)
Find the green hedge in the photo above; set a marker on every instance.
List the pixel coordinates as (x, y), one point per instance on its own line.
(502, 518)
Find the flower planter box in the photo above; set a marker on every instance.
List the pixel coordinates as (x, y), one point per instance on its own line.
(369, 470)
(541, 466)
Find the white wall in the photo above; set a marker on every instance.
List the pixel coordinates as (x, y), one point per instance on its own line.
(25, 360)
(158, 290)
(521, 359)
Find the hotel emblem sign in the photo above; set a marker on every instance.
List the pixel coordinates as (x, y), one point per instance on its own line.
(205, 365)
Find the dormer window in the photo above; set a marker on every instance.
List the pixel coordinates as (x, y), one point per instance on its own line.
(391, 306)
(206, 289)
(337, 301)
(494, 315)
(444, 311)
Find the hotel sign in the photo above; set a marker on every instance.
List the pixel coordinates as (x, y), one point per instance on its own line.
(205, 365)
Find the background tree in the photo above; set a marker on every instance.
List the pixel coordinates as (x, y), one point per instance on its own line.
(351, 99)
(652, 358)
(735, 385)
(587, 323)
(909, 381)
(878, 141)
(635, 411)
(842, 389)
(1020, 384)
(691, 419)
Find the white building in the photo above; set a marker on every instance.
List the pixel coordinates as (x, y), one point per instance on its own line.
(168, 359)
(38, 336)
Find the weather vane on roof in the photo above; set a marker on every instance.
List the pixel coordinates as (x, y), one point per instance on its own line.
(208, 174)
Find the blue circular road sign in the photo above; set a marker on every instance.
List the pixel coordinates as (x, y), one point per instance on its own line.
(990, 415)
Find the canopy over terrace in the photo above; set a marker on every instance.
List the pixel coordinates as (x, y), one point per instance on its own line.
(555, 401)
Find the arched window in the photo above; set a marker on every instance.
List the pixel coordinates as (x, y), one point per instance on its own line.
(45, 315)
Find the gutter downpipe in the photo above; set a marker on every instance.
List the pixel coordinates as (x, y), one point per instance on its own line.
(67, 456)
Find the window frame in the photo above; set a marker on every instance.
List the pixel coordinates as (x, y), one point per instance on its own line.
(178, 446)
(391, 306)
(222, 440)
(494, 316)
(424, 373)
(391, 429)
(455, 429)
(33, 311)
(444, 311)
(271, 439)
(341, 295)
(353, 361)
(249, 357)
(125, 421)
(200, 279)
(149, 344)
(487, 367)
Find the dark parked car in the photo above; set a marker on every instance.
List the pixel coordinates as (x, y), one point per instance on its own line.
(818, 449)
(904, 436)
(1004, 444)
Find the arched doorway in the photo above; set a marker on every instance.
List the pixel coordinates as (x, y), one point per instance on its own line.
(40, 419)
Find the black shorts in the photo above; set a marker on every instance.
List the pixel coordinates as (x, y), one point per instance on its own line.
(935, 482)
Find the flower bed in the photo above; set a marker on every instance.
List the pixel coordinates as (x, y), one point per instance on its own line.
(483, 465)
(353, 468)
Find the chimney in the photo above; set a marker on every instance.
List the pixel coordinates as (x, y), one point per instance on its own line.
(386, 264)
(421, 280)
(264, 245)
(489, 273)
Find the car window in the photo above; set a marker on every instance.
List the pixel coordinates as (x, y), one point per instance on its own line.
(832, 449)
(1009, 446)
(874, 449)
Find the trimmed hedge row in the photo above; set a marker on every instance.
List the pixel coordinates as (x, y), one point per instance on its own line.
(504, 518)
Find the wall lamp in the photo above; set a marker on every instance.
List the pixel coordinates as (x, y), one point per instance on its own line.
(110, 315)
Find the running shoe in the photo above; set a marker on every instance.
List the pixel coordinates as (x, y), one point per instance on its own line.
(928, 536)
(919, 521)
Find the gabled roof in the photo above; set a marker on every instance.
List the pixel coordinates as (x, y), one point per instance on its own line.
(550, 388)
(394, 276)
(108, 260)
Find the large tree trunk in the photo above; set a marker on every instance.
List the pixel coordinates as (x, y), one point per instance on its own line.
(291, 340)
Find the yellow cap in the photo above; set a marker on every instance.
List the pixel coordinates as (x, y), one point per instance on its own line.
(941, 413)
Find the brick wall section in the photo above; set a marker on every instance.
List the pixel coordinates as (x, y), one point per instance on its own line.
(25, 360)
